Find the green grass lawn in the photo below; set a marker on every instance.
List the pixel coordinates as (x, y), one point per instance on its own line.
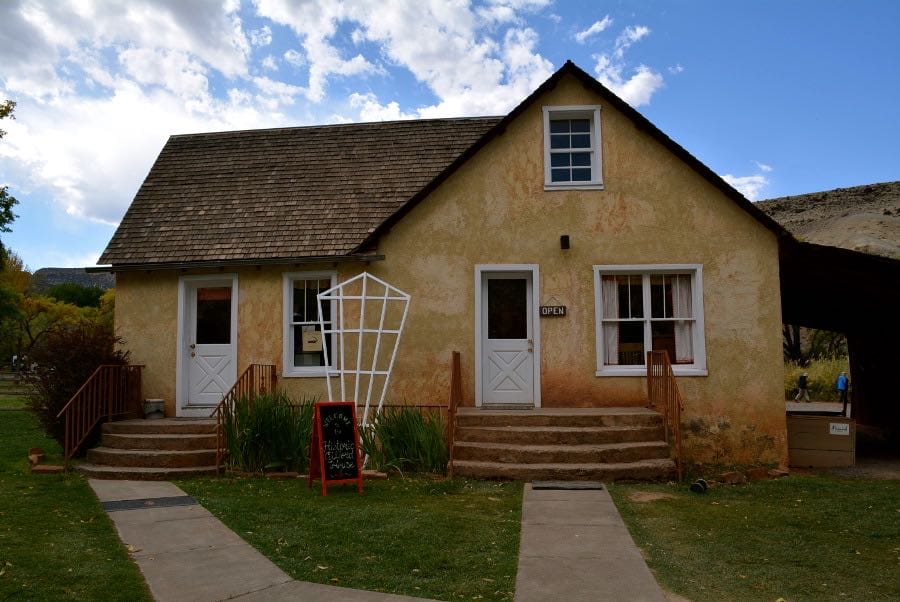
(56, 543)
(446, 539)
(796, 538)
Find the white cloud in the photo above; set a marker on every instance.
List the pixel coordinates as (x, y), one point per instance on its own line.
(371, 110)
(638, 88)
(676, 69)
(594, 29)
(261, 36)
(749, 186)
(295, 58)
(763, 167)
(269, 63)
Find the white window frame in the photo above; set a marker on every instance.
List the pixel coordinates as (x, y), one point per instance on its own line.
(289, 370)
(698, 368)
(591, 112)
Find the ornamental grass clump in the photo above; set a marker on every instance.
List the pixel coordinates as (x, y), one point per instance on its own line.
(407, 440)
(269, 433)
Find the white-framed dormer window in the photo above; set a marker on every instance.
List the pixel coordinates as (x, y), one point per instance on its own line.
(572, 156)
(304, 343)
(640, 308)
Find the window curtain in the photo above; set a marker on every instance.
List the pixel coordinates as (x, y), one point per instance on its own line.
(682, 301)
(610, 292)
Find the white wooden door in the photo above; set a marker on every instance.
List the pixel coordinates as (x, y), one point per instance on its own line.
(507, 345)
(209, 340)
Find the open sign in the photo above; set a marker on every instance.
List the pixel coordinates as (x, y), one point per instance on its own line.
(553, 311)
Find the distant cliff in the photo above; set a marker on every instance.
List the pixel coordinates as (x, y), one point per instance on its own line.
(860, 218)
(45, 278)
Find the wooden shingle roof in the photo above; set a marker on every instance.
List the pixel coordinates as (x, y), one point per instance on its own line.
(288, 193)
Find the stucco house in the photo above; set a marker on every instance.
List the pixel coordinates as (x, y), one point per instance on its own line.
(573, 200)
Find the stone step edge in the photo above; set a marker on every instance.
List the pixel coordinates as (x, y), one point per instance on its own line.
(656, 462)
(578, 447)
(150, 436)
(513, 428)
(151, 452)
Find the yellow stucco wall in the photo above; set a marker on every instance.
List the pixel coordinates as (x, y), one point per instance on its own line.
(494, 210)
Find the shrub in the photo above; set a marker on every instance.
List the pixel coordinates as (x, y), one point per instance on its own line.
(64, 358)
(405, 439)
(823, 375)
(271, 432)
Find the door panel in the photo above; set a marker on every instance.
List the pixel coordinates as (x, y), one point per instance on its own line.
(507, 345)
(209, 353)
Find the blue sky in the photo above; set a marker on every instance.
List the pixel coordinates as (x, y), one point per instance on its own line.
(778, 97)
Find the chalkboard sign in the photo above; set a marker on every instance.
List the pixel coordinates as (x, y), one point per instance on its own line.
(334, 451)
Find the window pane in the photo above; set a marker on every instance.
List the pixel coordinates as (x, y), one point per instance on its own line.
(559, 159)
(507, 308)
(581, 175)
(581, 159)
(676, 338)
(213, 316)
(309, 345)
(559, 126)
(661, 296)
(560, 141)
(581, 141)
(581, 125)
(559, 175)
(631, 343)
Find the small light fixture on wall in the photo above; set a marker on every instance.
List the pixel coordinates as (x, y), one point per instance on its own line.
(564, 242)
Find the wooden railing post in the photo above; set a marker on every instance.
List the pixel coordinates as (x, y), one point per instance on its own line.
(453, 404)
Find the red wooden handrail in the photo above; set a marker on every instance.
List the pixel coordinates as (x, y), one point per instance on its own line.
(453, 404)
(256, 380)
(110, 392)
(663, 393)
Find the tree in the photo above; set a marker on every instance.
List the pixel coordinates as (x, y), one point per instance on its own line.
(76, 294)
(7, 202)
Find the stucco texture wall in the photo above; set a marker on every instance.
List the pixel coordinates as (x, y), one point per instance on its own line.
(654, 210)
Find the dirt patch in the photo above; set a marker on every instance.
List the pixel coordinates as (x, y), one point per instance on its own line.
(649, 496)
(866, 468)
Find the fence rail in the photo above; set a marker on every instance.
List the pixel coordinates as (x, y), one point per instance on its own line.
(112, 391)
(256, 380)
(664, 396)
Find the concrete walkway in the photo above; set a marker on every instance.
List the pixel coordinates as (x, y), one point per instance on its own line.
(574, 547)
(185, 553)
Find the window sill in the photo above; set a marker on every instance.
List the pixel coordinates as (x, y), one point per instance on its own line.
(580, 186)
(304, 374)
(642, 371)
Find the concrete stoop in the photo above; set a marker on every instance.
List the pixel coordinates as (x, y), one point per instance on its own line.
(604, 444)
(153, 450)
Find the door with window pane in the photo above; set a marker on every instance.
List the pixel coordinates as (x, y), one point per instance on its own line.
(209, 330)
(508, 361)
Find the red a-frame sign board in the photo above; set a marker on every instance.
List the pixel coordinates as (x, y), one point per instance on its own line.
(334, 451)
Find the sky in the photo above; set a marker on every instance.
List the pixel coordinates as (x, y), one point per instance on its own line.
(777, 97)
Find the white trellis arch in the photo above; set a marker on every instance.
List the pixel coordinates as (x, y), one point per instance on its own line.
(367, 319)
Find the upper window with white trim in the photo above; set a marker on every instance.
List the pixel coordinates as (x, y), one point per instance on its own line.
(572, 147)
(644, 308)
(304, 343)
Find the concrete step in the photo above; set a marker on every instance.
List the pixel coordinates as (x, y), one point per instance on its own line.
(608, 453)
(139, 473)
(153, 441)
(574, 435)
(644, 470)
(107, 456)
(163, 426)
(559, 417)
